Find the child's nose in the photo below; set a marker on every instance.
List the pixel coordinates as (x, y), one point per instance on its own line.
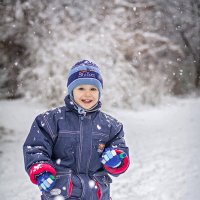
(87, 93)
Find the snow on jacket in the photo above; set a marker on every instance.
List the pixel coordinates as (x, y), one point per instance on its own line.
(65, 143)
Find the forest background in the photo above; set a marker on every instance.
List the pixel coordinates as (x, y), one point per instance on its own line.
(146, 50)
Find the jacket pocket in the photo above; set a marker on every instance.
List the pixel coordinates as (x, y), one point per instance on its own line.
(62, 188)
(103, 186)
(98, 144)
(66, 146)
(99, 141)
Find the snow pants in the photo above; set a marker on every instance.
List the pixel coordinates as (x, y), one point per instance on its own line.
(80, 187)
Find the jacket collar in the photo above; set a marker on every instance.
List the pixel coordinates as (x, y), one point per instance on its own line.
(71, 105)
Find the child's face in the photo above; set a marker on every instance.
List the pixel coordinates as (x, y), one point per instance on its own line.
(86, 96)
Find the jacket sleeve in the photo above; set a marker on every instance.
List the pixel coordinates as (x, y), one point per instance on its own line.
(118, 143)
(38, 146)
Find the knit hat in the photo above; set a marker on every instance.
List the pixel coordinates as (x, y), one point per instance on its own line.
(84, 72)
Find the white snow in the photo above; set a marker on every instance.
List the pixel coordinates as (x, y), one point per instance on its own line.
(91, 184)
(59, 198)
(164, 150)
(98, 127)
(58, 161)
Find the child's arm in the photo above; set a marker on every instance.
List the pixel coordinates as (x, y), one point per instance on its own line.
(116, 156)
(38, 147)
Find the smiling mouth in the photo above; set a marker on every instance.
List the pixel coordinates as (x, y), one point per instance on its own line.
(87, 101)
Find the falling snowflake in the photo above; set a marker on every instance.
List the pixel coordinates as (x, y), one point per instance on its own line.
(58, 161)
(98, 127)
(60, 197)
(64, 188)
(91, 183)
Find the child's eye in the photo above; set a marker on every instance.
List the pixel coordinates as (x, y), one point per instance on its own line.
(80, 88)
(93, 89)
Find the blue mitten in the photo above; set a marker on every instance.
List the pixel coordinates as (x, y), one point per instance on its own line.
(111, 159)
(46, 181)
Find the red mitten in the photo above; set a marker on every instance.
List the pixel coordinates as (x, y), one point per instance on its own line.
(38, 169)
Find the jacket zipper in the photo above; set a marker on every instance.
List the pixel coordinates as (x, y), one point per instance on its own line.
(88, 164)
(81, 143)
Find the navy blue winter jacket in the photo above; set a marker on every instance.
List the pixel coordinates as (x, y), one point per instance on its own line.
(69, 142)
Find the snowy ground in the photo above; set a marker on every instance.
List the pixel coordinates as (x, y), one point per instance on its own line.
(164, 148)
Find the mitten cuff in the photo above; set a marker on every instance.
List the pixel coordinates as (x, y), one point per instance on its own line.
(122, 168)
(37, 169)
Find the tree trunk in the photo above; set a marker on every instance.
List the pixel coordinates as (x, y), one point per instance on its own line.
(197, 79)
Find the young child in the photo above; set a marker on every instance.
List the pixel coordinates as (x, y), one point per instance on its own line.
(70, 150)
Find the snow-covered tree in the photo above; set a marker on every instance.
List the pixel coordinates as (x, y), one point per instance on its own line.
(139, 45)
